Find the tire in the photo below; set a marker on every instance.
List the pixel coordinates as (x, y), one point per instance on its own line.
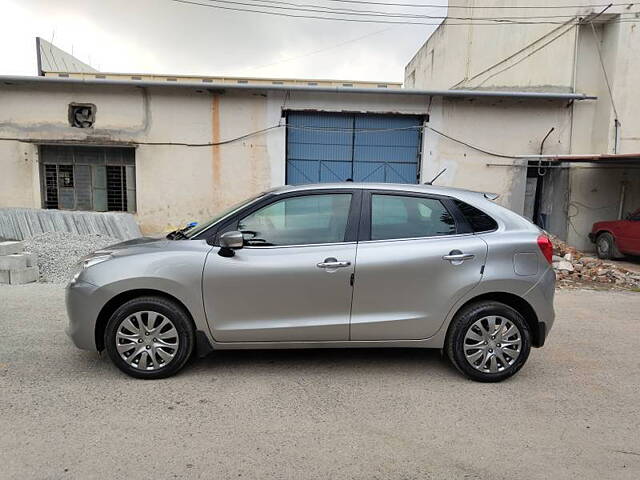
(149, 337)
(606, 246)
(471, 327)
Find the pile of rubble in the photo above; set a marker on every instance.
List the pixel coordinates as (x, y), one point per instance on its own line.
(59, 252)
(574, 269)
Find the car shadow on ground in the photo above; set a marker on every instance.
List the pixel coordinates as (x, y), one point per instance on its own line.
(326, 359)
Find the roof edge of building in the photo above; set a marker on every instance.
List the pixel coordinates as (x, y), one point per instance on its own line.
(8, 80)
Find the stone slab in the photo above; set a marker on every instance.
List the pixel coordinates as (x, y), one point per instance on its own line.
(9, 247)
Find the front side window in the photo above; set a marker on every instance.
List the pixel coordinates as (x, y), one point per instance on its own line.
(305, 220)
(396, 216)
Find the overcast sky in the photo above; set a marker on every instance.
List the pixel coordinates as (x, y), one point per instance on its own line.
(162, 36)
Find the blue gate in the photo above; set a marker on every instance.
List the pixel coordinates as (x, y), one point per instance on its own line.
(334, 147)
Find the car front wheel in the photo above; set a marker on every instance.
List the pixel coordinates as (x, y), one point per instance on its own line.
(488, 341)
(149, 337)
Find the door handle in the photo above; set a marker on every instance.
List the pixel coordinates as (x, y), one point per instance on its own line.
(333, 263)
(456, 257)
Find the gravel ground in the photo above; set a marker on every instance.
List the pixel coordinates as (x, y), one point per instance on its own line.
(572, 412)
(58, 252)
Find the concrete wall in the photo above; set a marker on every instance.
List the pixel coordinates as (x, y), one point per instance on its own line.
(507, 127)
(539, 58)
(174, 184)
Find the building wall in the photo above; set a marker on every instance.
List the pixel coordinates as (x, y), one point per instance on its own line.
(541, 58)
(175, 184)
(508, 127)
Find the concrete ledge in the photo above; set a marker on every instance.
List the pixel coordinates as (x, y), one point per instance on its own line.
(10, 248)
(24, 223)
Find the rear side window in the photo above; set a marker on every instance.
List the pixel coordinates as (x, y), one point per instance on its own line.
(479, 221)
(397, 216)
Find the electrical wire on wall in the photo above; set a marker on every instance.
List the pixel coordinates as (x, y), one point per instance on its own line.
(285, 125)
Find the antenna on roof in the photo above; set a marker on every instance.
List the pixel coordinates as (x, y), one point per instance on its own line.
(436, 177)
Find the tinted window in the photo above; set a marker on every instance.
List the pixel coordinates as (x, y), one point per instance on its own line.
(298, 221)
(479, 221)
(395, 216)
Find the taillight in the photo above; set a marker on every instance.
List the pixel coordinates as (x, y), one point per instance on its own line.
(546, 247)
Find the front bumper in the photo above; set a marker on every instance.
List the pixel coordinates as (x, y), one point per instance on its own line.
(82, 309)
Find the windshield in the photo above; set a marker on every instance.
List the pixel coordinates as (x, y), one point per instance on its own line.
(202, 226)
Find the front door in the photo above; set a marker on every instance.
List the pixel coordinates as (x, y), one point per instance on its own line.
(413, 265)
(628, 234)
(292, 279)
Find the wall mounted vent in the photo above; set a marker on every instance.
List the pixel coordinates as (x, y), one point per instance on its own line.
(82, 115)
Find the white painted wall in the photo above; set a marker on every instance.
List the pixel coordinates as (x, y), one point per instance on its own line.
(174, 184)
(530, 57)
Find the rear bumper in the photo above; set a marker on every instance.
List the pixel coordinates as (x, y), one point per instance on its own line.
(540, 297)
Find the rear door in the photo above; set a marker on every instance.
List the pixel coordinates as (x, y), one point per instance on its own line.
(415, 260)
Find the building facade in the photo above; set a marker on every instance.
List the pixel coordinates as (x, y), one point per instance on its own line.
(584, 158)
(176, 152)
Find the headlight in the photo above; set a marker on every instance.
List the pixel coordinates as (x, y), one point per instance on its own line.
(86, 263)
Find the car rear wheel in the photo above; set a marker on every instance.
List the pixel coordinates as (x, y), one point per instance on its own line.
(606, 246)
(149, 337)
(488, 341)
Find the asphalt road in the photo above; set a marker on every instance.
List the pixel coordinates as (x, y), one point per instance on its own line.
(572, 412)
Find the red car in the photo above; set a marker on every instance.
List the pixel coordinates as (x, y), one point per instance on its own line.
(616, 238)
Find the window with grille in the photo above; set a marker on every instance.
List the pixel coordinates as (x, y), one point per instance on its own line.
(88, 178)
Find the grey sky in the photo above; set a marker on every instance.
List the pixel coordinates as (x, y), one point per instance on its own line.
(161, 36)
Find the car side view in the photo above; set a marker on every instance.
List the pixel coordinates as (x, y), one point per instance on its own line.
(325, 266)
(615, 238)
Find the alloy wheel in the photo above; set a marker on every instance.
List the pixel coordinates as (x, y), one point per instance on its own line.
(147, 340)
(492, 344)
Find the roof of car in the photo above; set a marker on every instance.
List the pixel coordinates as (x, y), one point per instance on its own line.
(419, 188)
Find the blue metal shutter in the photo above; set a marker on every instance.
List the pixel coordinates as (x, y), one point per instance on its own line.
(386, 148)
(334, 147)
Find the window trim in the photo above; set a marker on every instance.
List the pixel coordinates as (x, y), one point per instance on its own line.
(461, 224)
(351, 231)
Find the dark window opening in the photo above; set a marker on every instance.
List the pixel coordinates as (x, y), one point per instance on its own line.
(116, 189)
(51, 186)
(65, 175)
(88, 178)
(479, 221)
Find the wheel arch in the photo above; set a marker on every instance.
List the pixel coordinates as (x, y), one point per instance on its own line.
(514, 301)
(123, 297)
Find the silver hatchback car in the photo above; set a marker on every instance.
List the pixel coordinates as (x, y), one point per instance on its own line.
(331, 265)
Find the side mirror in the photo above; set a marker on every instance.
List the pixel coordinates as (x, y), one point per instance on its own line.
(230, 241)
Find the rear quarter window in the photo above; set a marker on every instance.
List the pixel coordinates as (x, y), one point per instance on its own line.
(479, 221)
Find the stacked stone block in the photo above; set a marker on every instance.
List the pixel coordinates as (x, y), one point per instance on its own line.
(16, 265)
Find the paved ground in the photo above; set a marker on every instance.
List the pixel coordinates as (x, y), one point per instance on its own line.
(630, 263)
(572, 412)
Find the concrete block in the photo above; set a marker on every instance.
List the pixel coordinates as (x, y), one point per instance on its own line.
(32, 259)
(23, 275)
(9, 248)
(13, 262)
